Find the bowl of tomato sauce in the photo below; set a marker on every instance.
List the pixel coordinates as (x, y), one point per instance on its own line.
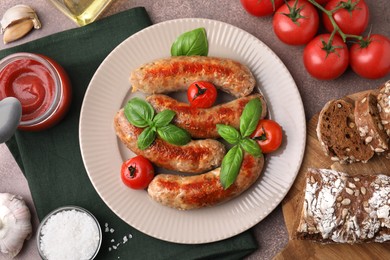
(40, 84)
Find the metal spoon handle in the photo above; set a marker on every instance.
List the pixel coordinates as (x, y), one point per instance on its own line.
(10, 116)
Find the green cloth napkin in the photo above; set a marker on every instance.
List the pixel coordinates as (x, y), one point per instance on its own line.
(51, 159)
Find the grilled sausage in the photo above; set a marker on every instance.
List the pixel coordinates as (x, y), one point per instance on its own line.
(201, 122)
(205, 190)
(177, 73)
(195, 157)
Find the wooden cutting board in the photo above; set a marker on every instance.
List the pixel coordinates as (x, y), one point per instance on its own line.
(292, 204)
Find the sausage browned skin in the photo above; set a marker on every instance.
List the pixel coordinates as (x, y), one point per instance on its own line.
(195, 157)
(177, 73)
(205, 190)
(201, 122)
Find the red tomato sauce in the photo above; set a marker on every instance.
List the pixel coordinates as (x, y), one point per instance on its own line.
(31, 83)
(40, 84)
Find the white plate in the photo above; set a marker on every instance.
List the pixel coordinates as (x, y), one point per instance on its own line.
(103, 153)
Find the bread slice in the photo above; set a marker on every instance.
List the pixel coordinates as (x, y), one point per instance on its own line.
(383, 99)
(340, 208)
(338, 134)
(369, 124)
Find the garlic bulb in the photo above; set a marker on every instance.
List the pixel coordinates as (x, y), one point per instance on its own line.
(17, 22)
(15, 224)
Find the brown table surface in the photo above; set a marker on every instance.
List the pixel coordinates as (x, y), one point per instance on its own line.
(270, 233)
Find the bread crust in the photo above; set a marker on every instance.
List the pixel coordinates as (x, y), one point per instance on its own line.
(369, 123)
(383, 99)
(339, 208)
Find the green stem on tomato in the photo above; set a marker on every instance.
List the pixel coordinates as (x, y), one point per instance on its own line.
(294, 12)
(332, 35)
(336, 28)
(273, 4)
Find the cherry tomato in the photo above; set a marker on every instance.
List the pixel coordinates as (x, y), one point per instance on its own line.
(261, 7)
(137, 172)
(296, 22)
(370, 58)
(324, 61)
(352, 18)
(268, 135)
(201, 94)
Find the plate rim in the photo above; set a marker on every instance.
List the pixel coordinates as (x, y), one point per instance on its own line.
(208, 21)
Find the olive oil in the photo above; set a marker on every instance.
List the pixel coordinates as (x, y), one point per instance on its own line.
(82, 11)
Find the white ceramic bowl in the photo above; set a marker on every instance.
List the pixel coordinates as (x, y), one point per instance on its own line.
(63, 209)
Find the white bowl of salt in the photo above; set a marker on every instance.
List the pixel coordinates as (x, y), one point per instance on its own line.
(69, 232)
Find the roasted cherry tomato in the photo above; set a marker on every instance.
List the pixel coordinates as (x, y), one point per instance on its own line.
(201, 94)
(370, 58)
(268, 135)
(261, 7)
(323, 60)
(352, 18)
(137, 172)
(296, 22)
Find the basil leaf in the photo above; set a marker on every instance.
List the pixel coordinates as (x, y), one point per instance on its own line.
(164, 118)
(251, 147)
(250, 117)
(174, 135)
(231, 165)
(139, 112)
(229, 133)
(191, 43)
(146, 138)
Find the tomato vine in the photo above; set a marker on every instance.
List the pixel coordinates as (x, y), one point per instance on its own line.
(336, 28)
(296, 23)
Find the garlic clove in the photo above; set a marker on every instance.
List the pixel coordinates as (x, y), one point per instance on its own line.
(19, 12)
(15, 224)
(15, 18)
(17, 31)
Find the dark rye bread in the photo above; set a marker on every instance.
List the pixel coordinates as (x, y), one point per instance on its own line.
(340, 208)
(383, 99)
(369, 124)
(338, 134)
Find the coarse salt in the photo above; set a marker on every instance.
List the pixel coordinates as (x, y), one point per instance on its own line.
(116, 246)
(69, 234)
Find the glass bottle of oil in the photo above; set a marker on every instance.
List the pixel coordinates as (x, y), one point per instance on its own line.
(82, 11)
